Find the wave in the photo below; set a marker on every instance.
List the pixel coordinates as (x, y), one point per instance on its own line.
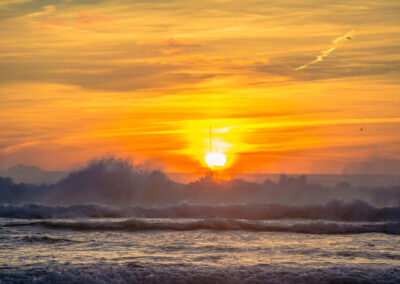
(46, 239)
(334, 210)
(148, 273)
(137, 225)
(36, 211)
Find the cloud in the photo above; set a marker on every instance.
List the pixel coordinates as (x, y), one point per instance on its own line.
(31, 174)
(29, 9)
(18, 147)
(53, 22)
(87, 18)
(374, 166)
(46, 11)
(105, 76)
(175, 62)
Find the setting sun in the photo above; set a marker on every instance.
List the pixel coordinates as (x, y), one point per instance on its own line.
(215, 141)
(215, 159)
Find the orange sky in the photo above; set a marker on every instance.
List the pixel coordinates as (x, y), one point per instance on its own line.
(145, 80)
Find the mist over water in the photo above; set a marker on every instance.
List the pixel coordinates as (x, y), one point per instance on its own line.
(118, 183)
(112, 188)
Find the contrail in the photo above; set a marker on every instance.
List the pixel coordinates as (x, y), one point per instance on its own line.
(348, 34)
(326, 52)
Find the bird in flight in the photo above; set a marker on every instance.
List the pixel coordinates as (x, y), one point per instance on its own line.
(348, 38)
(361, 129)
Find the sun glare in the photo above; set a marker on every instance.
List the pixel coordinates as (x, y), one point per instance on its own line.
(215, 159)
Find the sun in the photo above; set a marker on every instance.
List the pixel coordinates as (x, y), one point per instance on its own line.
(214, 159)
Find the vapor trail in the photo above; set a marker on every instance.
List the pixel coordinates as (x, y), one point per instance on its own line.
(326, 52)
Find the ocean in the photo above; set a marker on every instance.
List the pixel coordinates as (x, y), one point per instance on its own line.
(200, 244)
(112, 222)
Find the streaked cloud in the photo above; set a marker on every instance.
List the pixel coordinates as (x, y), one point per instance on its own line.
(87, 78)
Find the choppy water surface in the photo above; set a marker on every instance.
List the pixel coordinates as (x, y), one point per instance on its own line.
(129, 250)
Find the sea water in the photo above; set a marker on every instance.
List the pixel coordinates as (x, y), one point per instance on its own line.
(63, 248)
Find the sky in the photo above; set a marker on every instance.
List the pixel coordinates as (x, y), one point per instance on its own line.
(287, 86)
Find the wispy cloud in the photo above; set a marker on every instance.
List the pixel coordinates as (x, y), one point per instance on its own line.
(18, 147)
(140, 77)
(326, 52)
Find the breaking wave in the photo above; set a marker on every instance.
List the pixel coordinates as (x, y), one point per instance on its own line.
(334, 210)
(135, 225)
